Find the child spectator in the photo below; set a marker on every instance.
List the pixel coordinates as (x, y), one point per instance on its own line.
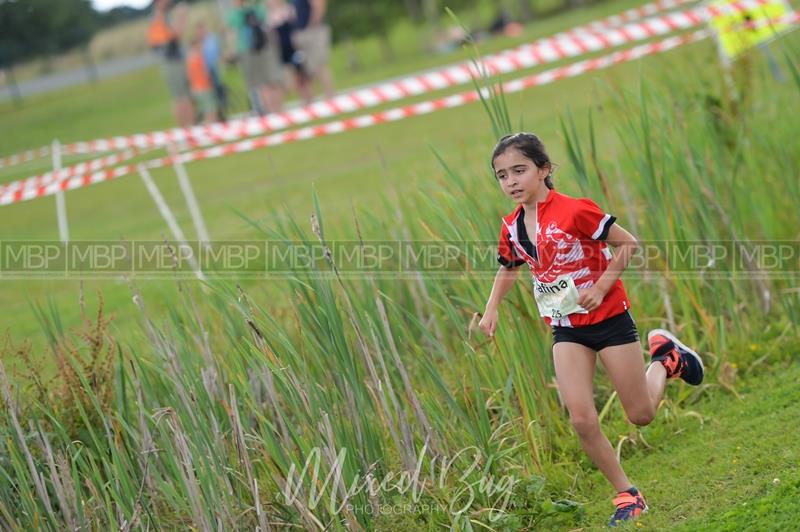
(212, 51)
(200, 81)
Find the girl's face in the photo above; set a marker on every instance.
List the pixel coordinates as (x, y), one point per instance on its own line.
(519, 178)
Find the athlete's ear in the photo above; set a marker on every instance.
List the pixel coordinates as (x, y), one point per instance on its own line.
(543, 171)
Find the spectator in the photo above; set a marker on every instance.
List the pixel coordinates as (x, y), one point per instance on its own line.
(212, 51)
(281, 22)
(258, 57)
(200, 81)
(164, 39)
(312, 40)
(503, 25)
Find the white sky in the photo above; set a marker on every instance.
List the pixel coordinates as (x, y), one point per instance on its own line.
(105, 5)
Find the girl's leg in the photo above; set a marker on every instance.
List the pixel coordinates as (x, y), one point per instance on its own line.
(640, 393)
(574, 365)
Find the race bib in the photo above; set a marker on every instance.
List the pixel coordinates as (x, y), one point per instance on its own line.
(558, 299)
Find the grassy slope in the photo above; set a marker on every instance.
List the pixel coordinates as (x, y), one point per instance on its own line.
(736, 470)
(720, 475)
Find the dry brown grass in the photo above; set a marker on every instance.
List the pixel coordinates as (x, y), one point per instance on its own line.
(88, 352)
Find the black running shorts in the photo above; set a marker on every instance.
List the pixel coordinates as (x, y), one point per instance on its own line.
(616, 330)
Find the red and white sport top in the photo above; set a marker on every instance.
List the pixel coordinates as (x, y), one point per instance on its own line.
(570, 236)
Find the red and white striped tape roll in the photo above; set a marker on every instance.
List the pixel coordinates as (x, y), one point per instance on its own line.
(363, 121)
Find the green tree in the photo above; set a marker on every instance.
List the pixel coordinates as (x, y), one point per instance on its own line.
(32, 28)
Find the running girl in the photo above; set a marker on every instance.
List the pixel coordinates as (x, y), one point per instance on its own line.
(577, 287)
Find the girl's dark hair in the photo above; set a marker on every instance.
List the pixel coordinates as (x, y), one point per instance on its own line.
(531, 147)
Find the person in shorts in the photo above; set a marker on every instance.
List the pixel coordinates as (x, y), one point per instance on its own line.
(311, 40)
(163, 36)
(564, 241)
(258, 56)
(281, 21)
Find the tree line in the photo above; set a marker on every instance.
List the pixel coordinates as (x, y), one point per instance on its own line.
(35, 28)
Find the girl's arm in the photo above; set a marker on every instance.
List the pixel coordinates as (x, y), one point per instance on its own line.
(503, 282)
(625, 245)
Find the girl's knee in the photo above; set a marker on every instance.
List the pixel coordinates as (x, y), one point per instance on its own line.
(585, 424)
(642, 417)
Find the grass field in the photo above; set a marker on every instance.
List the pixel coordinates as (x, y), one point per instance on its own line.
(244, 384)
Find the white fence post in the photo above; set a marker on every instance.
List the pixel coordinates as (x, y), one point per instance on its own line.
(166, 213)
(188, 194)
(61, 203)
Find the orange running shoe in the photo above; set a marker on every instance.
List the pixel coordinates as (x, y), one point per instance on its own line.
(678, 359)
(630, 505)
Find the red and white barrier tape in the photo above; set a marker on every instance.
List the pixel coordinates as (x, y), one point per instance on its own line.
(561, 46)
(45, 179)
(631, 15)
(554, 48)
(648, 27)
(24, 157)
(549, 50)
(390, 115)
(346, 103)
(44, 151)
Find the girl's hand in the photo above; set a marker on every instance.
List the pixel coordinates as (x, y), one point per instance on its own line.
(591, 298)
(488, 322)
